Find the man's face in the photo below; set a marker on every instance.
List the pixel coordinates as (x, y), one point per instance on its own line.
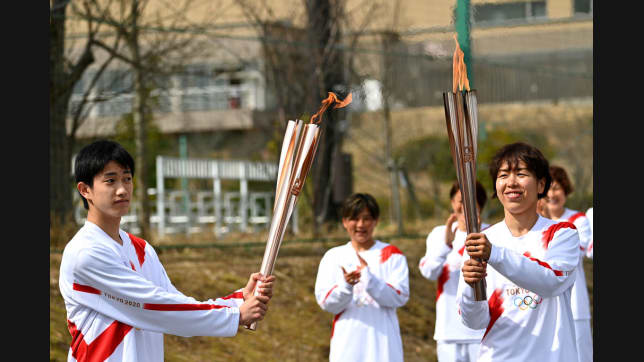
(518, 188)
(556, 197)
(361, 228)
(110, 194)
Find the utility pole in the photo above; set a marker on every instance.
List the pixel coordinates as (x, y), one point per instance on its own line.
(389, 39)
(463, 25)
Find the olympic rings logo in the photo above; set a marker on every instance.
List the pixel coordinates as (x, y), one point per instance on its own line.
(527, 302)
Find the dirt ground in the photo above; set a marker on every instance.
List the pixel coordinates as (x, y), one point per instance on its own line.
(295, 329)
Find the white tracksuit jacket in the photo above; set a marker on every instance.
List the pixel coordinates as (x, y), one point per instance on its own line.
(579, 296)
(120, 301)
(443, 264)
(365, 326)
(527, 313)
(589, 215)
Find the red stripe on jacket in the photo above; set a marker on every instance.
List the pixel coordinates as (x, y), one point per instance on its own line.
(495, 306)
(327, 294)
(86, 289)
(139, 247)
(543, 263)
(101, 347)
(182, 307)
(388, 251)
(442, 279)
(549, 234)
(236, 295)
(444, 276)
(335, 319)
(576, 216)
(392, 287)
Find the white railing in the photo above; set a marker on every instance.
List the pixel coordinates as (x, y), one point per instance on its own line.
(222, 211)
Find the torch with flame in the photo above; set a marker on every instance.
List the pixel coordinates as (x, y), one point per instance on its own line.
(461, 116)
(298, 151)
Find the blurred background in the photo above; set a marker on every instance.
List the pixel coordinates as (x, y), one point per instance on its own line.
(200, 93)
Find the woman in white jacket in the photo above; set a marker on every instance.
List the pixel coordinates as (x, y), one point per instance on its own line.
(362, 283)
(442, 263)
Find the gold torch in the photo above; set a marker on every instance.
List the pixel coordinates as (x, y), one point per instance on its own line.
(461, 116)
(298, 152)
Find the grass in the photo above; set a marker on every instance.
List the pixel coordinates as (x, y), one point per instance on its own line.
(295, 328)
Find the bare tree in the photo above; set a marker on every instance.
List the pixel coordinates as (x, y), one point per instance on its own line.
(152, 56)
(302, 65)
(65, 71)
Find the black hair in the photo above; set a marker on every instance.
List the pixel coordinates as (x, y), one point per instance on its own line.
(481, 196)
(93, 158)
(530, 155)
(354, 204)
(560, 175)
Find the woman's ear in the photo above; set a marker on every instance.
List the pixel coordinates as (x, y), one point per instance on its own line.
(541, 185)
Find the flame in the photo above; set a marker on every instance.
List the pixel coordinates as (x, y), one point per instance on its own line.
(332, 98)
(459, 69)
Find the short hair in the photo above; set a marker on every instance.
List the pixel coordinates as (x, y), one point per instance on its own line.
(530, 155)
(93, 158)
(561, 177)
(481, 196)
(354, 204)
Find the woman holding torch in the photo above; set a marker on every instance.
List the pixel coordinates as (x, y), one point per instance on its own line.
(362, 283)
(528, 262)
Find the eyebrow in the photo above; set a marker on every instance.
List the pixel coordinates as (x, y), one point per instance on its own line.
(114, 173)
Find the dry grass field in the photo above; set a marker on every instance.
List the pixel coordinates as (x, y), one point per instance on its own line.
(295, 329)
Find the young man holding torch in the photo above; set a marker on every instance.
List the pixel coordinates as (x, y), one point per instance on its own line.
(362, 283)
(118, 297)
(556, 210)
(442, 262)
(528, 262)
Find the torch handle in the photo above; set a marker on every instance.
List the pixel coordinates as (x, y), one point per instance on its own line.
(462, 126)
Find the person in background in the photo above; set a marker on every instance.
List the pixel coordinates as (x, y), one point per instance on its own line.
(528, 263)
(555, 204)
(362, 283)
(442, 262)
(589, 216)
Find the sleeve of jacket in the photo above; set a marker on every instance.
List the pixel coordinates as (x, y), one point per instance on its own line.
(585, 235)
(332, 293)
(393, 290)
(234, 299)
(548, 277)
(109, 287)
(431, 264)
(473, 314)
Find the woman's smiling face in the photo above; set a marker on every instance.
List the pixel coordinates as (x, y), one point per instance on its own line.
(518, 188)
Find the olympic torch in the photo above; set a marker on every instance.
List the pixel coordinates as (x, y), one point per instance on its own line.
(296, 158)
(461, 116)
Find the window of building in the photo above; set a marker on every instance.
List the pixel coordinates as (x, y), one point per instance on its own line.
(583, 6)
(500, 12)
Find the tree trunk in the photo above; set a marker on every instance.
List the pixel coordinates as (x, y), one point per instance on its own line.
(140, 134)
(139, 114)
(392, 167)
(60, 191)
(326, 67)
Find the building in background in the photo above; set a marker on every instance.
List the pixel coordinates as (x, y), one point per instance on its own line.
(225, 104)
